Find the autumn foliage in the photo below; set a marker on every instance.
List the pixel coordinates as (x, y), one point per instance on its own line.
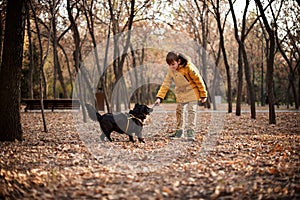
(248, 159)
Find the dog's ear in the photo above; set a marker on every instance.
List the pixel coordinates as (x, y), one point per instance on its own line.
(136, 105)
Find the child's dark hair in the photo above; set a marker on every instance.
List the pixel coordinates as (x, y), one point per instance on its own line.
(175, 56)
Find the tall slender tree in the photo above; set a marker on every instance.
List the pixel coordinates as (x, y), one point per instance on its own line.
(217, 15)
(270, 62)
(10, 74)
(57, 72)
(42, 58)
(243, 60)
(2, 6)
(30, 54)
(88, 10)
(115, 9)
(288, 45)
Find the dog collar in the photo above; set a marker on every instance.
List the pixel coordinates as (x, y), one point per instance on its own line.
(132, 116)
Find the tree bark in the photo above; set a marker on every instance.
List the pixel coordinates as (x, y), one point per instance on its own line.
(77, 57)
(249, 83)
(68, 65)
(10, 74)
(205, 31)
(240, 83)
(270, 64)
(243, 62)
(1, 36)
(42, 61)
(222, 44)
(292, 71)
(298, 84)
(31, 60)
(120, 56)
(57, 72)
(88, 12)
(262, 92)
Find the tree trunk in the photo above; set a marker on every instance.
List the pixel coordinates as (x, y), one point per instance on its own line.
(61, 78)
(120, 56)
(243, 61)
(229, 93)
(205, 30)
(42, 61)
(102, 78)
(10, 74)
(291, 80)
(57, 72)
(134, 76)
(222, 44)
(249, 83)
(90, 23)
(77, 57)
(203, 15)
(288, 96)
(240, 83)
(262, 92)
(31, 60)
(68, 65)
(270, 81)
(1, 36)
(216, 76)
(270, 64)
(298, 84)
(54, 44)
(292, 71)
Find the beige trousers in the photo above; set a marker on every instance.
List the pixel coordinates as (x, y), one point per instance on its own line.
(186, 115)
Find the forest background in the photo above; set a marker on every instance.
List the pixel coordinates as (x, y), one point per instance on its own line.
(247, 145)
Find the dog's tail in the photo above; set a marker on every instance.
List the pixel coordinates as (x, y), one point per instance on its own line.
(93, 114)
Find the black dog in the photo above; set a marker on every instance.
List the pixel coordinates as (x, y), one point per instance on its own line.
(127, 123)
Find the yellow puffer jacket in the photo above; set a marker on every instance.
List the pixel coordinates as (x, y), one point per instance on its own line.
(189, 85)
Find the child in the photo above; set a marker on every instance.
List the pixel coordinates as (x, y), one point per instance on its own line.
(189, 89)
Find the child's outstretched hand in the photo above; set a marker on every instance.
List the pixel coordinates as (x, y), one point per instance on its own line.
(203, 99)
(157, 102)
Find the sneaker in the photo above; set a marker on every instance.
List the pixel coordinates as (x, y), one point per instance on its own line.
(177, 134)
(190, 135)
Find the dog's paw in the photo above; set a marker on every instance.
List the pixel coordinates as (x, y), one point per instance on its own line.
(142, 140)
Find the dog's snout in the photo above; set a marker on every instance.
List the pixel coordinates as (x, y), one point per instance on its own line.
(150, 110)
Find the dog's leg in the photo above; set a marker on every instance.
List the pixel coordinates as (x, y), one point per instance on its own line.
(140, 137)
(131, 138)
(103, 137)
(107, 134)
(141, 140)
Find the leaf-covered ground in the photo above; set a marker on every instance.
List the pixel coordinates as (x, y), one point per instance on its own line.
(233, 158)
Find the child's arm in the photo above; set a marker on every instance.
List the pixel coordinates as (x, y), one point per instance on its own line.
(197, 79)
